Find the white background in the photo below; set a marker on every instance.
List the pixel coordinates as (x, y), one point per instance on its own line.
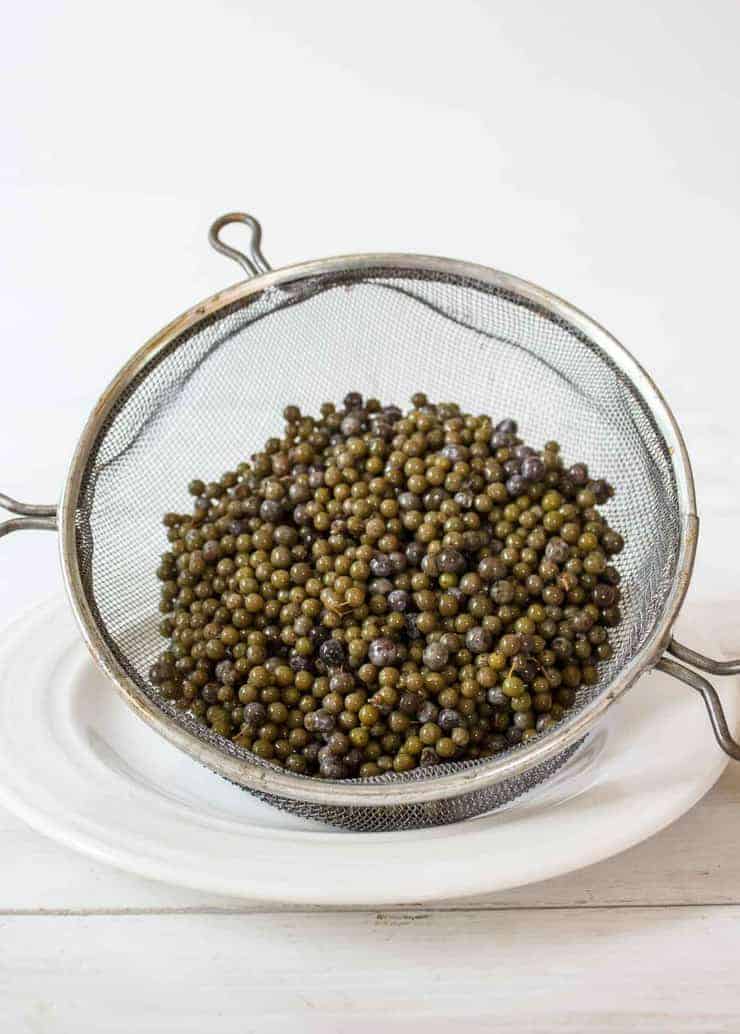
(590, 147)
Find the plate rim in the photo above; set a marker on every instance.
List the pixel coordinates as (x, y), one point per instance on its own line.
(464, 881)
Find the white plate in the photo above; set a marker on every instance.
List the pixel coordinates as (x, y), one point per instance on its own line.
(76, 764)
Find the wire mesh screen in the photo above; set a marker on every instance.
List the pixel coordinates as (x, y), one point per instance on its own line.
(213, 396)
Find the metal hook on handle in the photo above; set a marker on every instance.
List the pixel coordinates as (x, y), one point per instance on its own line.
(255, 262)
(708, 693)
(31, 516)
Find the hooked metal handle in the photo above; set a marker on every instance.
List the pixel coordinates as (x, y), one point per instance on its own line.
(32, 516)
(255, 262)
(708, 693)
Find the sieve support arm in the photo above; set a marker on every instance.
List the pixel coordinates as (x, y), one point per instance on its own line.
(31, 516)
(698, 660)
(707, 691)
(255, 262)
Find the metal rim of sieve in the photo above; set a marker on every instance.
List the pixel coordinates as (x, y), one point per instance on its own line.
(277, 782)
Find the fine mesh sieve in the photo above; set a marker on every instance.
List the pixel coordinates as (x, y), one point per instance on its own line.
(205, 393)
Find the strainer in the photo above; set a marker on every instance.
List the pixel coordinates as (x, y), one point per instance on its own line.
(205, 392)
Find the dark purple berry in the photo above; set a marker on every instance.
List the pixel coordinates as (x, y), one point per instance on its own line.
(557, 551)
(409, 501)
(254, 715)
(428, 712)
(436, 656)
(332, 768)
(533, 469)
(578, 474)
(381, 565)
(399, 600)
(271, 510)
(311, 751)
(226, 673)
(399, 561)
(449, 719)
(320, 721)
(351, 425)
(412, 630)
(298, 662)
(526, 668)
(414, 553)
(516, 485)
(478, 640)
(455, 453)
(450, 561)
(332, 653)
(409, 703)
(497, 698)
(382, 652)
(318, 635)
(602, 490)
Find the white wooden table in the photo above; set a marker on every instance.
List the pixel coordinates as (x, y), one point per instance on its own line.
(647, 941)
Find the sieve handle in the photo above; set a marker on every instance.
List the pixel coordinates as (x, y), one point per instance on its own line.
(255, 262)
(708, 693)
(31, 516)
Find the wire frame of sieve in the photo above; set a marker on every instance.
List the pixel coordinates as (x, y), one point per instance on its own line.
(299, 283)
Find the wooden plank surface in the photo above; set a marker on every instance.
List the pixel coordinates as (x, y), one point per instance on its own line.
(534, 970)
